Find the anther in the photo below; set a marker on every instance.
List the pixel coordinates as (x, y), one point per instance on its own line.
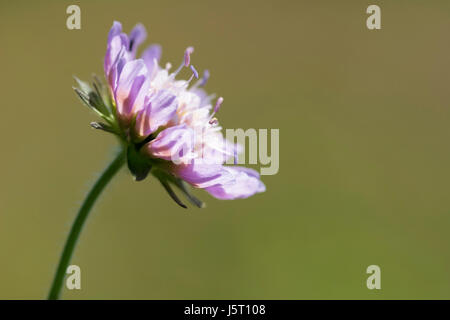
(194, 71)
(218, 104)
(194, 74)
(186, 62)
(216, 108)
(187, 56)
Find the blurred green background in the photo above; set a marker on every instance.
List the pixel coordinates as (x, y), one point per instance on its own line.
(364, 153)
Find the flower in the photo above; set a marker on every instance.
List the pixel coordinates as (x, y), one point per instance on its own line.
(168, 125)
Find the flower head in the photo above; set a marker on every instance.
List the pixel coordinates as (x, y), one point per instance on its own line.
(167, 125)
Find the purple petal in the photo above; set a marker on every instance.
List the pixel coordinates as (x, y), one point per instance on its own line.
(150, 54)
(132, 88)
(159, 109)
(115, 30)
(117, 41)
(203, 175)
(245, 184)
(172, 144)
(137, 36)
(114, 53)
(250, 172)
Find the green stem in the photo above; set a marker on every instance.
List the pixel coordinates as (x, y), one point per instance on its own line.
(83, 213)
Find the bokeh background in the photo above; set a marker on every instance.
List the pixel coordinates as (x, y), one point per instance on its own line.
(364, 153)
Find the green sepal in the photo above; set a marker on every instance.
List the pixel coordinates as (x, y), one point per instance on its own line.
(84, 86)
(103, 126)
(139, 166)
(183, 186)
(93, 97)
(180, 184)
(103, 93)
(170, 192)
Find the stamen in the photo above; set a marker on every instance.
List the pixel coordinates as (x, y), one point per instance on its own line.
(202, 81)
(216, 108)
(194, 74)
(194, 71)
(205, 78)
(178, 70)
(213, 121)
(186, 62)
(168, 66)
(187, 56)
(218, 104)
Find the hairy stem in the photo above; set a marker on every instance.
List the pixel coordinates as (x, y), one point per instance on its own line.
(82, 215)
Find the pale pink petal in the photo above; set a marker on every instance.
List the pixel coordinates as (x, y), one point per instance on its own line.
(245, 184)
(159, 108)
(172, 144)
(202, 175)
(132, 88)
